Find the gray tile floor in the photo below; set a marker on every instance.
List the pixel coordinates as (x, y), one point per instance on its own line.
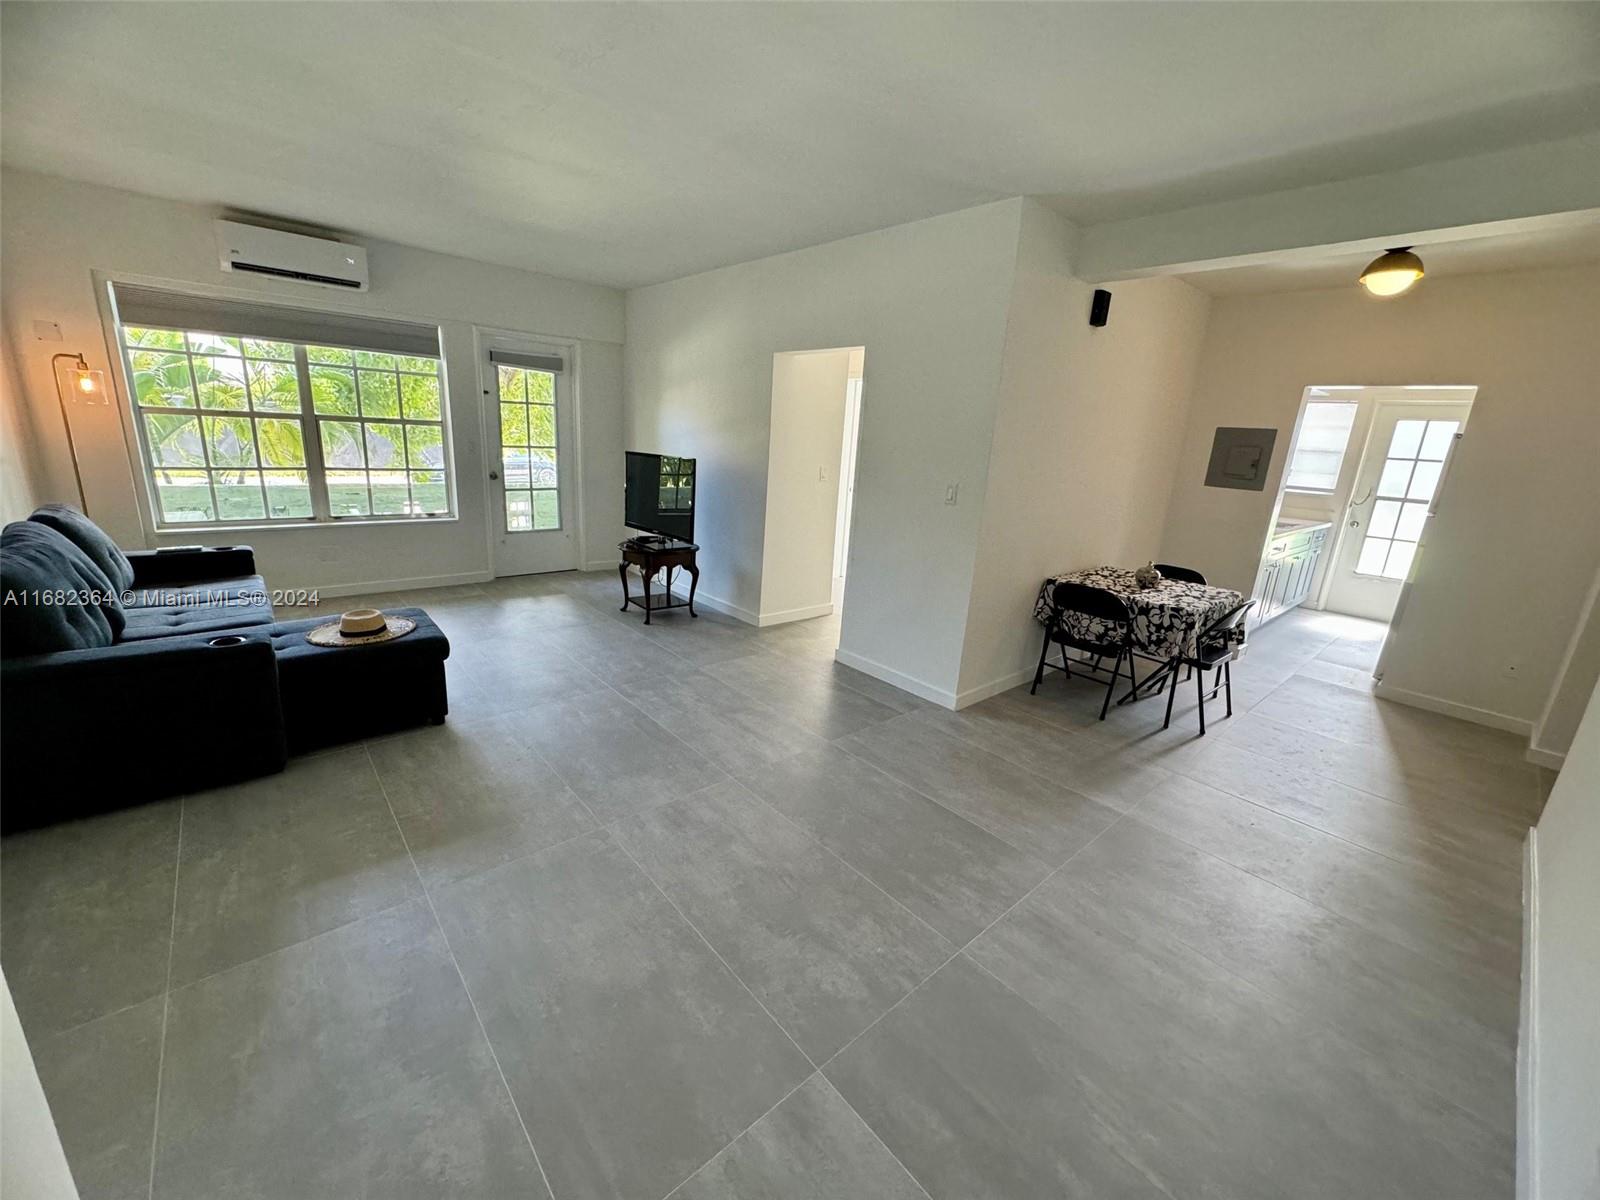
(693, 911)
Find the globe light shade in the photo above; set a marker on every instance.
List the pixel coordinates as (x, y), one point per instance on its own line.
(1391, 273)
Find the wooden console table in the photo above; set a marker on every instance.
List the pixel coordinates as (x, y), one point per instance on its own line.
(653, 556)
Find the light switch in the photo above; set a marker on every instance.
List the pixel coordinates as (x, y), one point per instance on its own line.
(951, 493)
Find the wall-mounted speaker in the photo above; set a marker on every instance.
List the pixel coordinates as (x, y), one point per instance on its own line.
(1100, 308)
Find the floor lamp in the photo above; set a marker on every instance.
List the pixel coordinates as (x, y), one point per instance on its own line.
(88, 387)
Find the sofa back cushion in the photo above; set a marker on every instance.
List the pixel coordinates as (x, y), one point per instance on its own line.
(91, 539)
(52, 597)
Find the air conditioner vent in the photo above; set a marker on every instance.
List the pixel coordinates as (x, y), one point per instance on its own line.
(318, 261)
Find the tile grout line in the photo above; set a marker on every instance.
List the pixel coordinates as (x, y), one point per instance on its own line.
(1305, 824)
(608, 828)
(730, 776)
(1049, 875)
(684, 1182)
(853, 869)
(460, 975)
(843, 1099)
(890, 775)
(1048, 1019)
(166, 1001)
(726, 965)
(1271, 994)
(816, 1071)
(1471, 963)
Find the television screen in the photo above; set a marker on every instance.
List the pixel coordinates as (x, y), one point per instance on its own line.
(660, 495)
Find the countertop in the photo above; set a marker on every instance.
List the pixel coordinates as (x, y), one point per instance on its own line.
(1287, 525)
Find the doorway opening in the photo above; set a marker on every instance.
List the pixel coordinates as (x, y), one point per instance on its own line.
(811, 473)
(1368, 467)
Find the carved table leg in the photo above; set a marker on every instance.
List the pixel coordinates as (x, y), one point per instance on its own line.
(646, 572)
(622, 570)
(694, 585)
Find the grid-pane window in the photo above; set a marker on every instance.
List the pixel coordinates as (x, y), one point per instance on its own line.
(528, 448)
(1319, 449)
(236, 428)
(677, 485)
(1410, 476)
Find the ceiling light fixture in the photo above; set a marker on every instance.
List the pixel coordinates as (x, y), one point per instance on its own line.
(1392, 272)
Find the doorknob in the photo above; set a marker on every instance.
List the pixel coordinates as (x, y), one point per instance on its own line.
(494, 474)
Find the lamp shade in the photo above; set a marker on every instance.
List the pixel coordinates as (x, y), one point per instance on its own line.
(1392, 272)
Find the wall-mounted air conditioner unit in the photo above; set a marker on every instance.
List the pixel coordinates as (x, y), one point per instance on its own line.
(321, 261)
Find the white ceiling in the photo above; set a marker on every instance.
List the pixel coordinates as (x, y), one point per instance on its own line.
(1561, 244)
(630, 143)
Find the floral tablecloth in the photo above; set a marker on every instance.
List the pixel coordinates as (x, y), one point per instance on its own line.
(1166, 618)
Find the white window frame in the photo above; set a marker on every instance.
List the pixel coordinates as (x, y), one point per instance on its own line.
(1288, 474)
(138, 449)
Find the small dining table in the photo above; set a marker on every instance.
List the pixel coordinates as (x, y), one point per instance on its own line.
(1167, 617)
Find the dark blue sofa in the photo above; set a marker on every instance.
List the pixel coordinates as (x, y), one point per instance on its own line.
(130, 676)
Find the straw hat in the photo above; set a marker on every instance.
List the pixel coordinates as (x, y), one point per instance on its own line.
(361, 627)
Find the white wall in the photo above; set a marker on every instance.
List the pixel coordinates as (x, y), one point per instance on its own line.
(55, 233)
(1515, 545)
(33, 1166)
(806, 441)
(1576, 678)
(1562, 1029)
(19, 494)
(928, 300)
(1089, 430)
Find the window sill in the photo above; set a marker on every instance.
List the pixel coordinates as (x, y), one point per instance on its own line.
(1305, 491)
(340, 523)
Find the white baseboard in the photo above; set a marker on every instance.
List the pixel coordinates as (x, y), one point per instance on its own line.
(1449, 708)
(793, 614)
(1540, 757)
(906, 683)
(994, 687)
(1528, 1032)
(402, 585)
(717, 604)
(601, 564)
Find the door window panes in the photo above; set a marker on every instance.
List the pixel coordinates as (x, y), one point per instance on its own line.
(528, 442)
(1406, 487)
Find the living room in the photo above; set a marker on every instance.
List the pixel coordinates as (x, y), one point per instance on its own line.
(817, 809)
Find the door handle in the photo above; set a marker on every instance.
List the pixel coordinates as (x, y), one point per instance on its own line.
(494, 474)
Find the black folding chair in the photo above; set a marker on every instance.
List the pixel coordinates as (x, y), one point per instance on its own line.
(1215, 649)
(1106, 631)
(1181, 574)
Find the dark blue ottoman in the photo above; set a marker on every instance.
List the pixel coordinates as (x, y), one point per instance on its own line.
(333, 694)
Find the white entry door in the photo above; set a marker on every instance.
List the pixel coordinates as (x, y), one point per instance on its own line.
(1407, 454)
(532, 483)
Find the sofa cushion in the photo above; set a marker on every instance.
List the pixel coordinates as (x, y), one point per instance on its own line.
(52, 597)
(91, 539)
(244, 589)
(164, 620)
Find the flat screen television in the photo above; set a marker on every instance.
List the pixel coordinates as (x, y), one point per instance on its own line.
(660, 495)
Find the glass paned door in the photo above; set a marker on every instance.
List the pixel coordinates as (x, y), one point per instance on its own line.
(531, 479)
(1406, 486)
(529, 444)
(1401, 471)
